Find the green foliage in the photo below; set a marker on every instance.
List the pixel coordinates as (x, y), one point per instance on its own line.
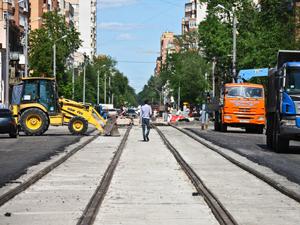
(261, 33)
(187, 70)
(123, 93)
(41, 49)
(152, 91)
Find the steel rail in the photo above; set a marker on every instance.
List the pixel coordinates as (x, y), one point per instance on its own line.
(289, 193)
(219, 211)
(89, 214)
(33, 179)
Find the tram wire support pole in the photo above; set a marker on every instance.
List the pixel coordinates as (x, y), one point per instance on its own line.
(234, 32)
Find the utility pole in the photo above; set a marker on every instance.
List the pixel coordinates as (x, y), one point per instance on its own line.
(54, 54)
(98, 74)
(234, 47)
(6, 86)
(54, 60)
(179, 97)
(213, 77)
(104, 88)
(26, 48)
(109, 89)
(73, 82)
(84, 74)
(234, 31)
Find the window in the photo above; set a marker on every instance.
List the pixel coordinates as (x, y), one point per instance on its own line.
(30, 91)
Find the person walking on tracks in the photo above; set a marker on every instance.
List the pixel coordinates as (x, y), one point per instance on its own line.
(146, 112)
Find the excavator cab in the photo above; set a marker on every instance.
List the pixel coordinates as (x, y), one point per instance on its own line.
(41, 91)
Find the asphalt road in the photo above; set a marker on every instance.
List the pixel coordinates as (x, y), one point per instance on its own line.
(253, 147)
(16, 155)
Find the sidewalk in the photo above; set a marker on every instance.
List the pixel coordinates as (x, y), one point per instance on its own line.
(149, 188)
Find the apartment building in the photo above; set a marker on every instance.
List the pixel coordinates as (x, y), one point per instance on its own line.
(87, 27)
(167, 46)
(13, 18)
(70, 9)
(38, 8)
(194, 13)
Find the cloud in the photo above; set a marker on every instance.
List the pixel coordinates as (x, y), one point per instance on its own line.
(118, 26)
(125, 37)
(115, 3)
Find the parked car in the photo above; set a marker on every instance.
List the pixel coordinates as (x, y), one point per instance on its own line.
(131, 113)
(8, 123)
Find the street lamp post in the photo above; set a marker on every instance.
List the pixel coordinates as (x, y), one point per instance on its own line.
(213, 77)
(109, 89)
(234, 48)
(98, 74)
(26, 48)
(54, 54)
(104, 88)
(84, 75)
(6, 86)
(73, 82)
(234, 31)
(26, 30)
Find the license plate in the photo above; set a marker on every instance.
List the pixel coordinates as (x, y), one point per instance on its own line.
(244, 121)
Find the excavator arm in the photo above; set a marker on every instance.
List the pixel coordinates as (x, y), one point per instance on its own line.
(72, 109)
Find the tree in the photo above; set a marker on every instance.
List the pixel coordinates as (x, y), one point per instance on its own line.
(123, 94)
(187, 70)
(262, 31)
(41, 47)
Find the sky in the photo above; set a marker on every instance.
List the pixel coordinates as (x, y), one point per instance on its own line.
(129, 31)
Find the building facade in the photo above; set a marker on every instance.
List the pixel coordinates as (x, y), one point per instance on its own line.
(38, 8)
(167, 46)
(13, 18)
(87, 27)
(194, 14)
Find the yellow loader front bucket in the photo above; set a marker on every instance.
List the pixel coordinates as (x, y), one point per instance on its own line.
(111, 127)
(75, 111)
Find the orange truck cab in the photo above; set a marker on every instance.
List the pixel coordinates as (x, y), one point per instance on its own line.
(241, 105)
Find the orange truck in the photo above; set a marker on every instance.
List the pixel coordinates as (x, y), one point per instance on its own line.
(241, 105)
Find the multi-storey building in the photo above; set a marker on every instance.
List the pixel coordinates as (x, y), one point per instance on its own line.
(87, 27)
(70, 9)
(195, 12)
(167, 46)
(38, 8)
(13, 18)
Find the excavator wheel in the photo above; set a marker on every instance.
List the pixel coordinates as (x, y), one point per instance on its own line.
(34, 122)
(78, 125)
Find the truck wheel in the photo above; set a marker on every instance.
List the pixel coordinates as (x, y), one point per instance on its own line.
(223, 127)
(269, 133)
(78, 125)
(269, 140)
(260, 130)
(34, 122)
(217, 124)
(280, 144)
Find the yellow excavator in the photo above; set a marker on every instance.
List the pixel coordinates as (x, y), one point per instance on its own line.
(36, 106)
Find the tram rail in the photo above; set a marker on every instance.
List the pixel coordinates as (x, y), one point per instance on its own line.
(219, 211)
(289, 193)
(4, 198)
(90, 213)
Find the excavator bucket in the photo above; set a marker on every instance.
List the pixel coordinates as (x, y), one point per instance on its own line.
(111, 128)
